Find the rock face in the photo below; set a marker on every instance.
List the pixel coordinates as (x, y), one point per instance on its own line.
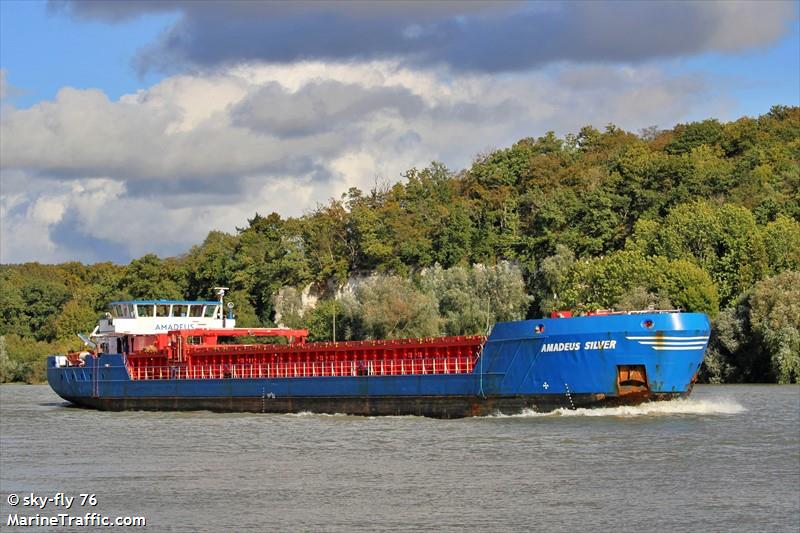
(291, 301)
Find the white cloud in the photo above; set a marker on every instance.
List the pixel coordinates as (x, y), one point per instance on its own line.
(746, 25)
(156, 170)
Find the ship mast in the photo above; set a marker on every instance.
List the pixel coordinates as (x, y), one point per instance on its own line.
(221, 293)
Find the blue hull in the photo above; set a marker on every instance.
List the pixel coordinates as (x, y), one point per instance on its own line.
(538, 364)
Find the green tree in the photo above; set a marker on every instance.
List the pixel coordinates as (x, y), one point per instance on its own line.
(211, 264)
(782, 244)
(151, 278)
(391, 307)
(606, 282)
(601, 282)
(724, 241)
(694, 134)
(77, 316)
(319, 320)
(775, 317)
(42, 302)
(243, 310)
(470, 299)
(639, 298)
(552, 278)
(12, 308)
(756, 338)
(102, 284)
(22, 359)
(326, 243)
(686, 285)
(268, 255)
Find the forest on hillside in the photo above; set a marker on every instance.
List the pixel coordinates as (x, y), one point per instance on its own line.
(703, 217)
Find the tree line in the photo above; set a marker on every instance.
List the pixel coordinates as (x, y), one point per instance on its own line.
(703, 217)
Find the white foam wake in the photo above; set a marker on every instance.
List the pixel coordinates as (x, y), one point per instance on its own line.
(303, 414)
(672, 407)
(664, 408)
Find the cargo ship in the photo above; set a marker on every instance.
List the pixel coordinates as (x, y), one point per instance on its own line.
(189, 355)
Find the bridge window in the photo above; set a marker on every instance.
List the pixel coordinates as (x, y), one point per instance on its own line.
(127, 310)
(179, 310)
(116, 311)
(144, 310)
(211, 311)
(195, 311)
(162, 310)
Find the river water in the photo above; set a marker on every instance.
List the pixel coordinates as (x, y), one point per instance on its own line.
(728, 459)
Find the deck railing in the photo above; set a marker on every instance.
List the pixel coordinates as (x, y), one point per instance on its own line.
(285, 369)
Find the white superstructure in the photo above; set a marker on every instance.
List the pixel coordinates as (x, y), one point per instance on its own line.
(131, 325)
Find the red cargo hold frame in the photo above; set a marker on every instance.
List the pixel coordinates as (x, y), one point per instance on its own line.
(196, 354)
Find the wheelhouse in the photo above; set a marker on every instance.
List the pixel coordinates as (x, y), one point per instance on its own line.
(165, 309)
(133, 325)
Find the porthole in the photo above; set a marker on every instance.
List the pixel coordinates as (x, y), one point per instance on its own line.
(647, 324)
(539, 329)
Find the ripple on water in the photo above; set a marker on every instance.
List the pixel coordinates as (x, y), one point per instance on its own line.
(726, 459)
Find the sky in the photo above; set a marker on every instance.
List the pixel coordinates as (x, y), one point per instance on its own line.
(131, 127)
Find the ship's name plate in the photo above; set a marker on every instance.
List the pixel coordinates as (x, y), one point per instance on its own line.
(573, 346)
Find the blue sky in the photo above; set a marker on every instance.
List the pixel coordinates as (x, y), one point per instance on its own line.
(195, 115)
(756, 79)
(43, 51)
